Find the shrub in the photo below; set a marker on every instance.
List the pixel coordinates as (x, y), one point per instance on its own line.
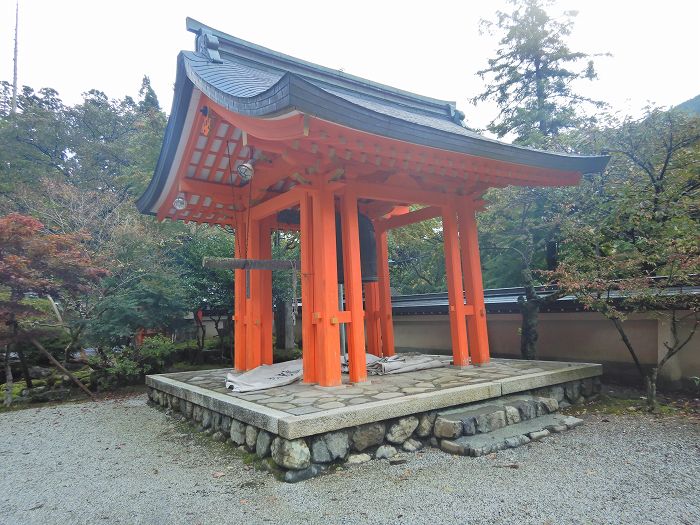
(127, 365)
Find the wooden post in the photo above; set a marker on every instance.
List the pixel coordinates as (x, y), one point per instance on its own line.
(353, 287)
(266, 315)
(473, 284)
(373, 330)
(239, 305)
(308, 336)
(253, 301)
(455, 290)
(385, 316)
(325, 314)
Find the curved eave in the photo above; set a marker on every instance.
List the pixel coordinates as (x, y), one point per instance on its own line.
(171, 140)
(292, 92)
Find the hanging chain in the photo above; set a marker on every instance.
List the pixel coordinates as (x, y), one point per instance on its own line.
(294, 293)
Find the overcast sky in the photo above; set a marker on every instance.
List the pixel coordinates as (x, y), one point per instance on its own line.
(429, 47)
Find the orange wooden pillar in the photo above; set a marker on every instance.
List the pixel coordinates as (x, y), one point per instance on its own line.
(353, 287)
(239, 305)
(373, 329)
(308, 336)
(473, 284)
(266, 315)
(325, 310)
(385, 314)
(455, 290)
(254, 301)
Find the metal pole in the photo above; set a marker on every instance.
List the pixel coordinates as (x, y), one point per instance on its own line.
(343, 339)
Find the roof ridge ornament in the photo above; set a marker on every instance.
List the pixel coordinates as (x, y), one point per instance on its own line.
(456, 115)
(208, 45)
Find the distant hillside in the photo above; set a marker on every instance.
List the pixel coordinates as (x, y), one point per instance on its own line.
(691, 106)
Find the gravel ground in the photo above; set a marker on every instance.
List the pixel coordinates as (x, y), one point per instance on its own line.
(120, 461)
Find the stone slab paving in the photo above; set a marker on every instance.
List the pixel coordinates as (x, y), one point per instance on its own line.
(300, 410)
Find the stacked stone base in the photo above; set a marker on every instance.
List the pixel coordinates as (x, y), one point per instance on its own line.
(302, 458)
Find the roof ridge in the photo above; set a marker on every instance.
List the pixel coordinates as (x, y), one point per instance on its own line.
(274, 59)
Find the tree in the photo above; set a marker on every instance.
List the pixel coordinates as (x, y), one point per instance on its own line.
(520, 233)
(417, 258)
(43, 264)
(531, 80)
(532, 75)
(633, 244)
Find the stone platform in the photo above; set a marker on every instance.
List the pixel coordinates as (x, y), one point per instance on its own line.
(300, 410)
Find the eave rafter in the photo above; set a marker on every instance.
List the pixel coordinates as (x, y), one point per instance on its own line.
(295, 151)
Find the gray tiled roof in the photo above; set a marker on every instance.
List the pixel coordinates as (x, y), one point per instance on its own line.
(251, 80)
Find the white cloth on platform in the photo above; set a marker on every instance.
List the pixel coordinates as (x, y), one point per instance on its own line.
(280, 374)
(401, 363)
(265, 376)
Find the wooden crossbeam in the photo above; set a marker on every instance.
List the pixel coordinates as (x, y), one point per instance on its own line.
(228, 263)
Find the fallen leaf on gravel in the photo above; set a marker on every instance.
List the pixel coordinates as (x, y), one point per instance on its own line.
(605, 420)
(217, 475)
(508, 465)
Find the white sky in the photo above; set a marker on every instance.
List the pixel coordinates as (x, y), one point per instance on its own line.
(430, 47)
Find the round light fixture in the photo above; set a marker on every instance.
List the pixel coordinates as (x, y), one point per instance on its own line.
(180, 203)
(246, 171)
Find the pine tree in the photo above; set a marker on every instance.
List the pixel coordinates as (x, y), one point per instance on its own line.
(532, 74)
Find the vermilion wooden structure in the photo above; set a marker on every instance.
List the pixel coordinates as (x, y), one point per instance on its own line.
(323, 142)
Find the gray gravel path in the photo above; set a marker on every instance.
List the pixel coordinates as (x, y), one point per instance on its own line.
(120, 461)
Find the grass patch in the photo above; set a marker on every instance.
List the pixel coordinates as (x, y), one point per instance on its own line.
(613, 405)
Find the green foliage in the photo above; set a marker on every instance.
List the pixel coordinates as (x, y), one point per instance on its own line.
(635, 232)
(129, 365)
(532, 75)
(417, 258)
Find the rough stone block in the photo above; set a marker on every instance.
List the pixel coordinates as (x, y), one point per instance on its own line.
(411, 445)
(425, 424)
(452, 447)
(512, 415)
(516, 441)
(225, 425)
(330, 447)
(549, 404)
(189, 408)
(491, 421)
(469, 426)
(251, 437)
(368, 435)
(215, 421)
(447, 428)
(572, 422)
(587, 387)
(526, 407)
(294, 476)
(573, 391)
(237, 432)
(539, 434)
(263, 442)
(219, 436)
(355, 459)
(555, 429)
(402, 430)
(207, 416)
(385, 452)
(291, 454)
(197, 413)
(557, 392)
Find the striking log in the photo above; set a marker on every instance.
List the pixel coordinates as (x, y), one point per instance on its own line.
(226, 263)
